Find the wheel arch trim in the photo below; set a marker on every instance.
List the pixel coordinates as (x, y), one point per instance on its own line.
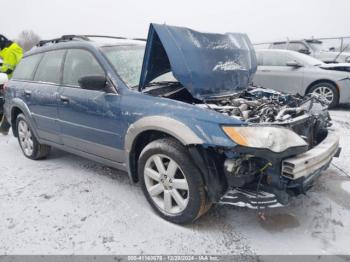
(18, 103)
(167, 125)
(321, 81)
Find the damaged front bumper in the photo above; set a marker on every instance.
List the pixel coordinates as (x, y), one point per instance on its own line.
(303, 169)
(296, 175)
(318, 158)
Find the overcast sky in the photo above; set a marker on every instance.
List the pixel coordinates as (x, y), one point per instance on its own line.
(262, 20)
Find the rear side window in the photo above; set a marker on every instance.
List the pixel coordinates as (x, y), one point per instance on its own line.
(25, 69)
(49, 69)
(80, 63)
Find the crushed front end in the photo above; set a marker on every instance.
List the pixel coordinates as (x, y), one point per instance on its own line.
(285, 145)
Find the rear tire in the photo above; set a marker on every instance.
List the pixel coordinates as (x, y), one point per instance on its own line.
(328, 91)
(30, 146)
(172, 184)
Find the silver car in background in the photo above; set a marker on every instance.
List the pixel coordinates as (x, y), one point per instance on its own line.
(315, 48)
(296, 73)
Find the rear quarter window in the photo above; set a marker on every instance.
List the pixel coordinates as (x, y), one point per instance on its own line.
(25, 69)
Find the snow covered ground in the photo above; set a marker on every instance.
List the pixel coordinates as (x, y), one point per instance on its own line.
(69, 205)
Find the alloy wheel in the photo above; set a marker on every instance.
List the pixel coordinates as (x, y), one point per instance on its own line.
(166, 184)
(325, 92)
(25, 138)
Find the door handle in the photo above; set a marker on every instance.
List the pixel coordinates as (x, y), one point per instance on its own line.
(265, 70)
(27, 92)
(64, 99)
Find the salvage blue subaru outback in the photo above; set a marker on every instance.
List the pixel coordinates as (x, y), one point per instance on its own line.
(176, 112)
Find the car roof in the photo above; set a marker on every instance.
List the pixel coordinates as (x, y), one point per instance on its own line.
(92, 42)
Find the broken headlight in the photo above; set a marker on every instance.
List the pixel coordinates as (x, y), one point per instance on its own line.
(277, 139)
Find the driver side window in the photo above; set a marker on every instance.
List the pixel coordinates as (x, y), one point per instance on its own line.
(273, 59)
(80, 63)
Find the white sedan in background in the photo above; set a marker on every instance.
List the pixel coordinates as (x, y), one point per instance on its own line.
(296, 73)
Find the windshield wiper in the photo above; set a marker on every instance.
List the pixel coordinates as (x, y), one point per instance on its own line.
(164, 83)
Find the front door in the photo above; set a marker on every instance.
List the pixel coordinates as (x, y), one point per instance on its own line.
(274, 73)
(89, 119)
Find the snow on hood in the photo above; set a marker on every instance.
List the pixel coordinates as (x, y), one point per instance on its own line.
(206, 64)
(335, 65)
(341, 67)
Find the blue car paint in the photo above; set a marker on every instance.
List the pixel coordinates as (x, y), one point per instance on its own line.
(206, 64)
(204, 123)
(98, 120)
(43, 107)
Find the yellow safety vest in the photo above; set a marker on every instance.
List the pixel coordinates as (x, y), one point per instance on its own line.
(10, 57)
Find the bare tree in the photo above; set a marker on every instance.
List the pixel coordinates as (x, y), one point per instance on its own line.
(27, 39)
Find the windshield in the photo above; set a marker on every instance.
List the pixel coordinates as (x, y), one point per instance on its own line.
(317, 47)
(307, 60)
(127, 61)
(167, 77)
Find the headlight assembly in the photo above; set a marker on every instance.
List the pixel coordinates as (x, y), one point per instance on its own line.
(277, 139)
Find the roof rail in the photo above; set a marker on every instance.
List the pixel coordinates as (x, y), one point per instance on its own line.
(66, 38)
(115, 37)
(105, 36)
(63, 38)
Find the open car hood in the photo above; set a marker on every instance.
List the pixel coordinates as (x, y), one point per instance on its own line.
(206, 64)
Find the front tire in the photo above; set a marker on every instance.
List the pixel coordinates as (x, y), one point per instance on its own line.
(328, 91)
(30, 146)
(171, 183)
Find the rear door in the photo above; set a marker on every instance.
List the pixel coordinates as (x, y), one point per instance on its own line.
(89, 119)
(23, 75)
(41, 95)
(274, 73)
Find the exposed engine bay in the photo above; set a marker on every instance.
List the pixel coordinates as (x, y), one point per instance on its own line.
(259, 105)
(254, 105)
(307, 116)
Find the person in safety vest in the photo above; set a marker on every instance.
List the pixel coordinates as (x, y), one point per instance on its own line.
(10, 53)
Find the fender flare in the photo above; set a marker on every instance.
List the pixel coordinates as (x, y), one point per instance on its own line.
(168, 125)
(16, 102)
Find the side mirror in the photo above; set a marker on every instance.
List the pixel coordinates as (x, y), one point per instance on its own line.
(93, 82)
(304, 51)
(293, 64)
(3, 78)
